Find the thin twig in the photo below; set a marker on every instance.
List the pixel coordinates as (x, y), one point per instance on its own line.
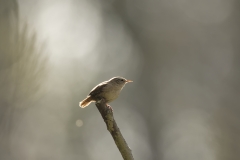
(112, 127)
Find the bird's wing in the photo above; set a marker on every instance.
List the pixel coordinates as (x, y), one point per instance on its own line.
(98, 89)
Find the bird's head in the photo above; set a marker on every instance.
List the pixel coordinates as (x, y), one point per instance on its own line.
(119, 81)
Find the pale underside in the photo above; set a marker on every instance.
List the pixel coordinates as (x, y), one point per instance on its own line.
(106, 91)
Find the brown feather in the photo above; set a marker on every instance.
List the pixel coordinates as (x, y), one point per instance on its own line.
(84, 103)
(98, 89)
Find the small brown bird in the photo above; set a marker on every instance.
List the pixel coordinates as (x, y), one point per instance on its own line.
(109, 90)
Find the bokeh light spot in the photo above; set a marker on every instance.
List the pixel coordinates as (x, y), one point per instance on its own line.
(79, 123)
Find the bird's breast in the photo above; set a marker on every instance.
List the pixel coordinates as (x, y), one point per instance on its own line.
(111, 94)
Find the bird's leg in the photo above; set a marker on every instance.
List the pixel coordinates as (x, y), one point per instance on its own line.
(109, 107)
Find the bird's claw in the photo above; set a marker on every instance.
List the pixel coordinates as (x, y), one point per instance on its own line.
(109, 107)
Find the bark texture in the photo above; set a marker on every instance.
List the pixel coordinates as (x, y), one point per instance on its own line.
(107, 115)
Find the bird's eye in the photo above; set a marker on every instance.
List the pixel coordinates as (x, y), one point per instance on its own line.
(122, 80)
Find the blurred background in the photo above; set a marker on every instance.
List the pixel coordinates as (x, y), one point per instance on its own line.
(183, 56)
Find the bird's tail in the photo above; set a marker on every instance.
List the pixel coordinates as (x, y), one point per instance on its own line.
(84, 103)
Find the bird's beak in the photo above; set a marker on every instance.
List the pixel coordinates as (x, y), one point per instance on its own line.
(129, 81)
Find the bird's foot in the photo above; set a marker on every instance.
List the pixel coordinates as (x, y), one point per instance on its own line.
(109, 107)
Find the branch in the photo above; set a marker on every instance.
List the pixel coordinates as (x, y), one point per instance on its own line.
(112, 127)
